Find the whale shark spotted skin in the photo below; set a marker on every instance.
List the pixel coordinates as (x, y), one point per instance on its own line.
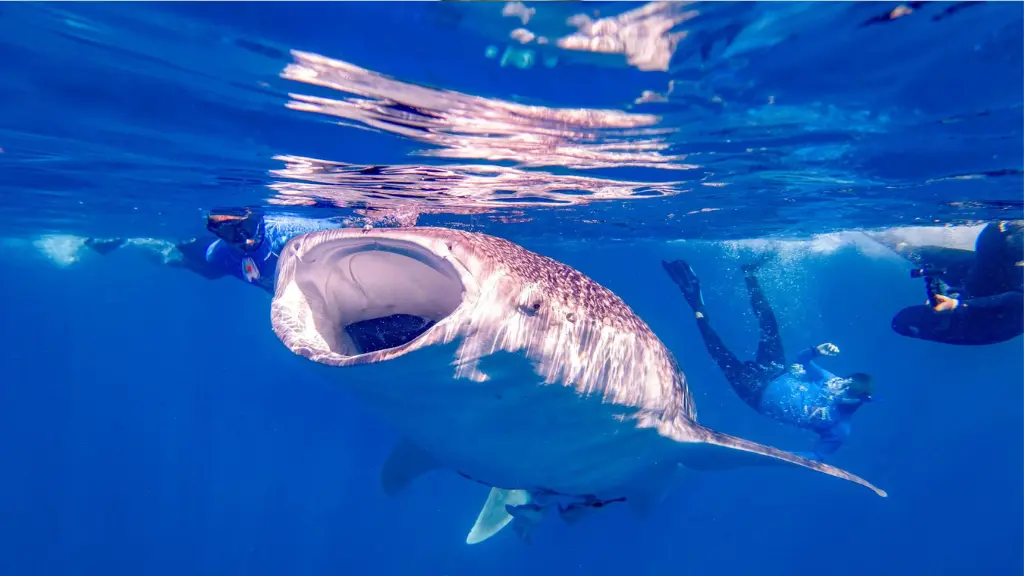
(516, 371)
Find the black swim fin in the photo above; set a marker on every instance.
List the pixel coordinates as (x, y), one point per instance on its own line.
(686, 279)
(754, 265)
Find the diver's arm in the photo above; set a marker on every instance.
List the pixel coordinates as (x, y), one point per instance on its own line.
(1004, 300)
(807, 356)
(279, 230)
(255, 266)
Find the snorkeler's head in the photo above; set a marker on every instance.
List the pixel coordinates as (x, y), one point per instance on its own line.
(241, 227)
(861, 386)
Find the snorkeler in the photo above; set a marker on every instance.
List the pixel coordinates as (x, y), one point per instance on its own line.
(974, 297)
(246, 245)
(803, 395)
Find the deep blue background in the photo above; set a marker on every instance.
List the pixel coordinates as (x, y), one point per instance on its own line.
(153, 424)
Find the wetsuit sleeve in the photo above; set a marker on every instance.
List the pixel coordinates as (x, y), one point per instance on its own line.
(807, 354)
(280, 230)
(1004, 300)
(806, 359)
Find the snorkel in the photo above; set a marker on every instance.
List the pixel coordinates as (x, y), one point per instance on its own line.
(239, 227)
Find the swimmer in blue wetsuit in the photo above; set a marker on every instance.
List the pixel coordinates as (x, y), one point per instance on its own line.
(246, 245)
(974, 297)
(803, 395)
(242, 248)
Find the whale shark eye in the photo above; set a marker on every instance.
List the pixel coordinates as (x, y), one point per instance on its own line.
(530, 309)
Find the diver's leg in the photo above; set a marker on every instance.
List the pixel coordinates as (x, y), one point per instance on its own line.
(727, 362)
(769, 345)
(746, 379)
(104, 246)
(686, 280)
(192, 255)
(161, 252)
(683, 275)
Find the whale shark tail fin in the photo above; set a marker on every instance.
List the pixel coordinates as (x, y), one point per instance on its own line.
(716, 451)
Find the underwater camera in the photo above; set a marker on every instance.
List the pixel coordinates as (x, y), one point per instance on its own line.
(927, 271)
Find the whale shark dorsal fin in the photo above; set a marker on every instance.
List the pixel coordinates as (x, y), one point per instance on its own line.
(494, 515)
(405, 463)
(717, 451)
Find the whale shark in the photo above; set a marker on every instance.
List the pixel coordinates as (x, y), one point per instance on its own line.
(505, 366)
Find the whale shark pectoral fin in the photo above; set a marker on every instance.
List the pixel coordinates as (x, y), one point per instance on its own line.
(717, 451)
(405, 463)
(495, 514)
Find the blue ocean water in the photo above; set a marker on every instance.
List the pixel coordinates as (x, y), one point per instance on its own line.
(153, 424)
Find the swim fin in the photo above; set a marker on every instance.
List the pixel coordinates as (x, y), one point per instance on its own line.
(683, 275)
(754, 265)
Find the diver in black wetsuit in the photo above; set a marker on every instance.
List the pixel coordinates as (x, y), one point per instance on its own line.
(804, 395)
(974, 297)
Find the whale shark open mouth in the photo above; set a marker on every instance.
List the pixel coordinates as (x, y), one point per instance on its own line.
(373, 294)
